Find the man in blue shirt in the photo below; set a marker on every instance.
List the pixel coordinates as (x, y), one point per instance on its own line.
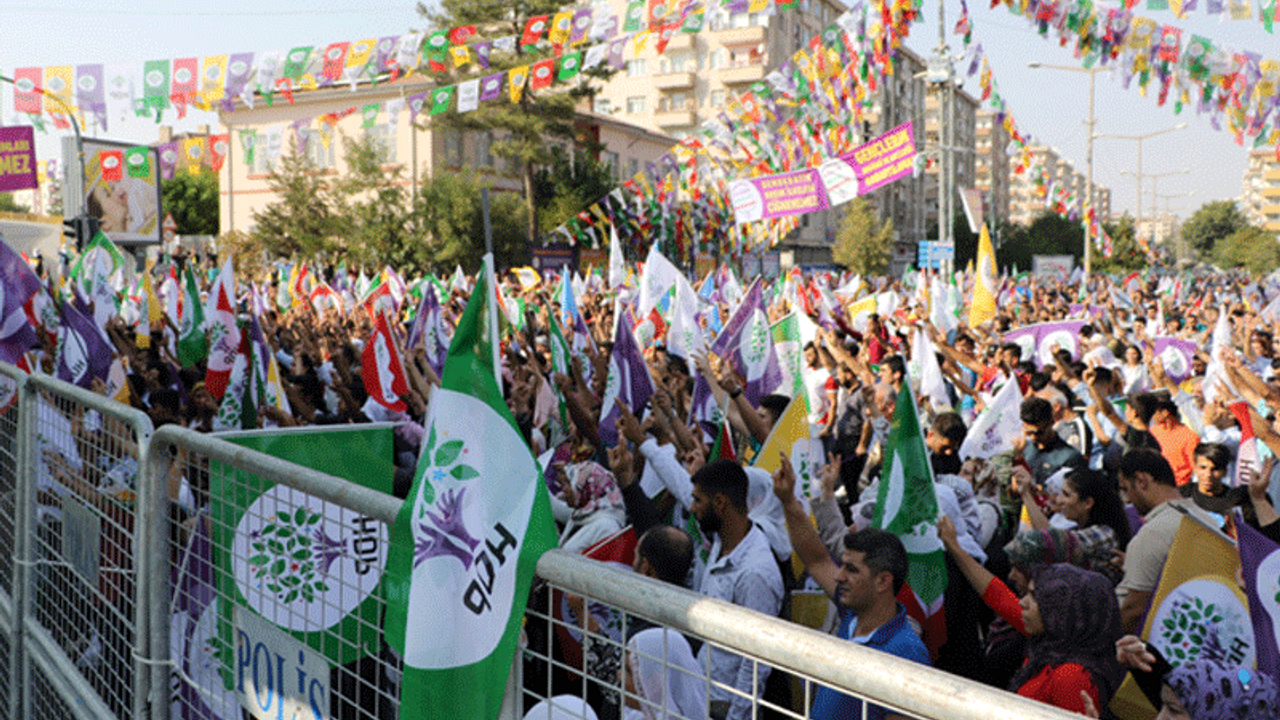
(865, 585)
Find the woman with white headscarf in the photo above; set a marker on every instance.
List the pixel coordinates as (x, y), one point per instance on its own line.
(663, 680)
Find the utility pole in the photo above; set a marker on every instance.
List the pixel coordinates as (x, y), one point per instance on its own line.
(942, 74)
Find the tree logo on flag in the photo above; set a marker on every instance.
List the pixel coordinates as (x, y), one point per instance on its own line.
(755, 345)
(182, 75)
(1205, 616)
(86, 83)
(292, 547)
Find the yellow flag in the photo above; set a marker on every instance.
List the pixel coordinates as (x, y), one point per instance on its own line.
(360, 51)
(1197, 590)
(58, 82)
(790, 436)
(461, 55)
(194, 151)
(212, 82)
(561, 24)
(983, 305)
(516, 77)
(865, 306)
(154, 312)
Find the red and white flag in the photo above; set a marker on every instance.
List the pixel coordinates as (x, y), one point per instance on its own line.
(380, 366)
(224, 335)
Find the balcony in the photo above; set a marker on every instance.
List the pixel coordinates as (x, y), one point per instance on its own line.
(742, 74)
(674, 118)
(680, 41)
(673, 81)
(740, 36)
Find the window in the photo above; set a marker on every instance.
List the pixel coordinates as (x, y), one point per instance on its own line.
(636, 68)
(740, 20)
(262, 164)
(601, 106)
(451, 144)
(679, 62)
(385, 138)
(636, 105)
(716, 59)
(614, 164)
(633, 167)
(321, 156)
(484, 149)
(717, 98)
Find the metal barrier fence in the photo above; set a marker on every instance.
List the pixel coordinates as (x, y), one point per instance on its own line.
(10, 451)
(265, 601)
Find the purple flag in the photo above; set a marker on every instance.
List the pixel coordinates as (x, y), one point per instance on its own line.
(415, 102)
(1260, 565)
(628, 381)
(491, 87)
(168, 160)
(193, 633)
(615, 53)
(385, 51)
(239, 67)
(482, 53)
(429, 328)
(747, 344)
(17, 285)
(83, 354)
(1175, 355)
(581, 23)
(91, 94)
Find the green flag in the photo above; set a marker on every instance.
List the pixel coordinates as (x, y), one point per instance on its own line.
(440, 99)
(88, 259)
(789, 348)
(466, 542)
(193, 344)
(907, 506)
(560, 363)
(295, 63)
(570, 64)
(138, 162)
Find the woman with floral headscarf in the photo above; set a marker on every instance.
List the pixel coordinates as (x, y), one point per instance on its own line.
(1206, 688)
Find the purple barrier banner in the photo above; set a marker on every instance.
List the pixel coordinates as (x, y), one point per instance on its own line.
(17, 158)
(774, 196)
(883, 160)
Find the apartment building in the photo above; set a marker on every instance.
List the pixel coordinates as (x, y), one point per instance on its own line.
(1260, 190)
(419, 150)
(964, 149)
(991, 165)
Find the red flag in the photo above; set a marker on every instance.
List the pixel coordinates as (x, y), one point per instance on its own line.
(381, 369)
(541, 73)
(372, 301)
(335, 60)
(285, 86)
(533, 29)
(26, 84)
(186, 78)
(112, 162)
(460, 35)
(218, 145)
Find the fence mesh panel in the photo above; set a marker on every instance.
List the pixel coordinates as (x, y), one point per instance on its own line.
(9, 443)
(277, 601)
(83, 578)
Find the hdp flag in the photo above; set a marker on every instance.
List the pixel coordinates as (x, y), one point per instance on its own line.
(381, 369)
(224, 334)
(628, 381)
(193, 345)
(1197, 609)
(907, 506)
(1260, 565)
(747, 343)
(982, 306)
(791, 436)
(466, 542)
(83, 352)
(17, 285)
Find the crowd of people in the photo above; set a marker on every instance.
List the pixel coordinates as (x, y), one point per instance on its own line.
(1055, 544)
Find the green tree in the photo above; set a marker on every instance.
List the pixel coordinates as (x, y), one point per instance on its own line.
(1211, 223)
(8, 204)
(563, 188)
(860, 245)
(1048, 234)
(374, 204)
(529, 133)
(192, 199)
(1126, 256)
(304, 221)
(1250, 247)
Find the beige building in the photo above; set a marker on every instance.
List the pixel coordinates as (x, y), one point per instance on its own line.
(419, 151)
(964, 149)
(1260, 196)
(991, 165)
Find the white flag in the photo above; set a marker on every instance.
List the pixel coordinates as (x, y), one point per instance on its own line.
(994, 430)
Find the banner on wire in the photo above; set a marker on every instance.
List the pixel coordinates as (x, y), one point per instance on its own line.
(890, 157)
(775, 196)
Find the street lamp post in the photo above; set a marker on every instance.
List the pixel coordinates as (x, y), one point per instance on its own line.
(1139, 138)
(1088, 160)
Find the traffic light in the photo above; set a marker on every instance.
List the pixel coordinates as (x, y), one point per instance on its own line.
(71, 229)
(80, 230)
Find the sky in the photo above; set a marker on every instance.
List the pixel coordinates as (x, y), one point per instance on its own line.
(1050, 105)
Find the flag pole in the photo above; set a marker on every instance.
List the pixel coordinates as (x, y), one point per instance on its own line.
(492, 304)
